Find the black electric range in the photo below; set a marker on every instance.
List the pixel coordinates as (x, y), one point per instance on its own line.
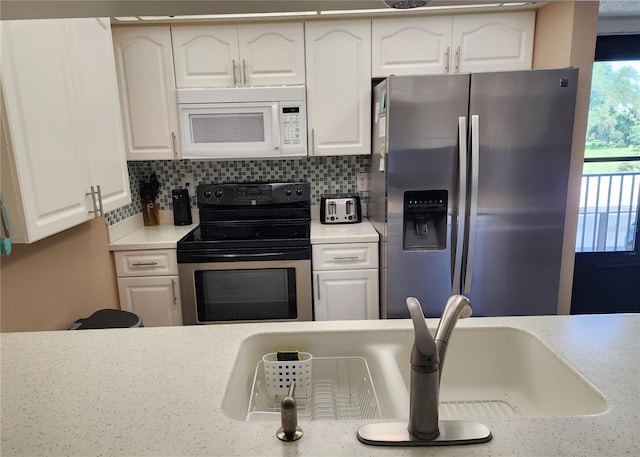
(248, 217)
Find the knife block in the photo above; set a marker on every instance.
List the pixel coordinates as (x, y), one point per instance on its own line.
(150, 213)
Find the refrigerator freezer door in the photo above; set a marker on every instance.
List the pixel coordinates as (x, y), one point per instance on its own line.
(422, 159)
(525, 126)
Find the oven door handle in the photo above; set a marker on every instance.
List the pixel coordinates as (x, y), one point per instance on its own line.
(193, 257)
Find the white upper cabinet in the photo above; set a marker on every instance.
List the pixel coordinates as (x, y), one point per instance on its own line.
(260, 54)
(205, 55)
(144, 65)
(96, 88)
(409, 46)
(338, 55)
(493, 42)
(61, 125)
(452, 44)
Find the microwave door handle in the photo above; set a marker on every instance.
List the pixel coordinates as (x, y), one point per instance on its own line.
(275, 126)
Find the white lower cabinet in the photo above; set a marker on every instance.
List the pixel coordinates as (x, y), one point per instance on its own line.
(148, 285)
(156, 299)
(345, 281)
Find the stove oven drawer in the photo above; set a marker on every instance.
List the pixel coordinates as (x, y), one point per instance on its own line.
(150, 262)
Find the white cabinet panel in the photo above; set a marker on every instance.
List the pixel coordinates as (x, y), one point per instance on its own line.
(347, 256)
(345, 281)
(155, 299)
(148, 262)
(62, 125)
(42, 120)
(272, 54)
(95, 86)
(410, 46)
(205, 56)
(144, 63)
(346, 295)
(259, 54)
(493, 42)
(452, 44)
(338, 57)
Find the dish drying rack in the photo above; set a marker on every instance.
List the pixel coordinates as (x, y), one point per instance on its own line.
(327, 388)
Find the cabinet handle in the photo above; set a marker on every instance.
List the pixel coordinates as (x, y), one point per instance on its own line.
(93, 201)
(96, 200)
(173, 145)
(313, 141)
(144, 264)
(244, 71)
(458, 60)
(318, 286)
(100, 207)
(173, 291)
(447, 55)
(235, 79)
(346, 257)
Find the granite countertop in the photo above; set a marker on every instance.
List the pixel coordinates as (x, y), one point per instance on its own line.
(131, 235)
(362, 232)
(158, 391)
(163, 236)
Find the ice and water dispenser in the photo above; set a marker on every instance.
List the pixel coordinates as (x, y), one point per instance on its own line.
(425, 220)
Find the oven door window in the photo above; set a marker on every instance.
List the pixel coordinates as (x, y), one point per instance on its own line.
(245, 295)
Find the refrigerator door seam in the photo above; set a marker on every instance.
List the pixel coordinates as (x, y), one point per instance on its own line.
(462, 200)
(473, 203)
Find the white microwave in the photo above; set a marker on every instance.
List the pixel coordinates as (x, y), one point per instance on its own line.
(243, 122)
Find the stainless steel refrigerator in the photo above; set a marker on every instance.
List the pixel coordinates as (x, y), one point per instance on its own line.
(468, 188)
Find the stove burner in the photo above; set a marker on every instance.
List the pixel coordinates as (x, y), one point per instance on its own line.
(276, 233)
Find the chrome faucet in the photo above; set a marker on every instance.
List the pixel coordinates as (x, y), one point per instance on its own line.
(427, 359)
(457, 307)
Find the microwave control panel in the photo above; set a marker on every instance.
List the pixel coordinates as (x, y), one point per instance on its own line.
(293, 128)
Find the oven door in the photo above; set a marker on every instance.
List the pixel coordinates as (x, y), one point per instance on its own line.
(246, 291)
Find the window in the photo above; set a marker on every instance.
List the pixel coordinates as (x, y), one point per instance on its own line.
(610, 193)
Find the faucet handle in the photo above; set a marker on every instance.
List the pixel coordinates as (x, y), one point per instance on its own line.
(424, 351)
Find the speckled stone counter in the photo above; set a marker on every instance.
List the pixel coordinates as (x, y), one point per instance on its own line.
(362, 232)
(131, 235)
(158, 391)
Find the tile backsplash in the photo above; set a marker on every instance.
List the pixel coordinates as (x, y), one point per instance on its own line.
(335, 174)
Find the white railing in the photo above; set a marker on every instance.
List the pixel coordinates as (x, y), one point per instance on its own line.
(608, 212)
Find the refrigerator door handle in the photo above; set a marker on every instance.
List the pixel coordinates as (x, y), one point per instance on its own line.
(462, 204)
(473, 201)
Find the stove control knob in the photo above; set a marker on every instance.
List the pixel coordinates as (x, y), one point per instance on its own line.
(288, 191)
(218, 193)
(207, 193)
(299, 191)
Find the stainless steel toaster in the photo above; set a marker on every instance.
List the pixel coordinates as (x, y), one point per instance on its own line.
(340, 209)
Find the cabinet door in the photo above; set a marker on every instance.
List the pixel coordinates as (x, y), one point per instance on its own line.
(206, 55)
(144, 66)
(338, 59)
(96, 89)
(45, 152)
(271, 54)
(156, 299)
(493, 42)
(346, 295)
(410, 46)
